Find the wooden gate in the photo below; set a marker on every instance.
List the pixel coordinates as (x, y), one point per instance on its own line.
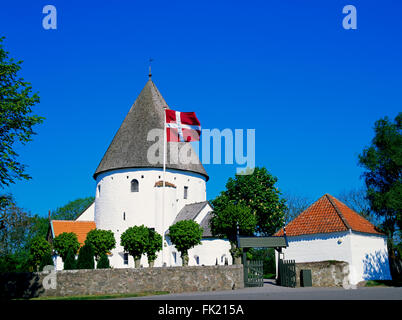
(253, 273)
(287, 273)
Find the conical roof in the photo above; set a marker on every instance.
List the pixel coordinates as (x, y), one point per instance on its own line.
(328, 215)
(129, 147)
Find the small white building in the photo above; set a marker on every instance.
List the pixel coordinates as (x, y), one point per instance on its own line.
(129, 188)
(330, 230)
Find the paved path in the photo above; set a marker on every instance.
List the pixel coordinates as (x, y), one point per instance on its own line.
(272, 292)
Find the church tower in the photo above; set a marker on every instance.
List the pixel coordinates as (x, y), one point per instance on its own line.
(129, 187)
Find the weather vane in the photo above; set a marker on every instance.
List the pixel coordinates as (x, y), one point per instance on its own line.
(150, 73)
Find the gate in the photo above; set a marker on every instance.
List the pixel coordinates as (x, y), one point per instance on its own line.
(253, 273)
(287, 273)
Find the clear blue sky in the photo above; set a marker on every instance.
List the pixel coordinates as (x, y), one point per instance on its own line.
(311, 89)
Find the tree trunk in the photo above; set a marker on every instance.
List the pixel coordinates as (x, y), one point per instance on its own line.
(151, 264)
(137, 262)
(185, 259)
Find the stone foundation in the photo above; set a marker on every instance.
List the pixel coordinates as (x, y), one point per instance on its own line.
(325, 273)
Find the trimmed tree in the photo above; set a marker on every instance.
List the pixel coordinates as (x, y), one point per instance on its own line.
(103, 262)
(153, 246)
(224, 223)
(102, 241)
(64, 242)
(134, 241)
(38, 249)
(185, 235)
(69, 262)
(86, 257)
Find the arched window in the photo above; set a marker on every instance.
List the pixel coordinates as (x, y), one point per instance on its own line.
(197, 260)
(134, 185)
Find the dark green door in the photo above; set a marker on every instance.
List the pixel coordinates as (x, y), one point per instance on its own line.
(287, 273)
(253, 273)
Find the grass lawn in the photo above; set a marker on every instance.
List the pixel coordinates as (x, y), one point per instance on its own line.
(103, 296)
(383, 283)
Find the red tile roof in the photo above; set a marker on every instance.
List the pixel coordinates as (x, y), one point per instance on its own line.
(327, 215)
(80, 228)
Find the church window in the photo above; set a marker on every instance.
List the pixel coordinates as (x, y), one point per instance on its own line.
(134, 185)
(125, 257)
(185, 192)
(99, 188)
(174, 257)
(124, 216)
(197, 260)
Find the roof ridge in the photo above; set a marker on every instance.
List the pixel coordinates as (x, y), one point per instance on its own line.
(338, 211)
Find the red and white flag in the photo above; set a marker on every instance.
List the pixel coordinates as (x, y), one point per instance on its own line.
(182, 126)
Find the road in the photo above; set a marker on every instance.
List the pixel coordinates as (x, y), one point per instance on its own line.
(272, 292)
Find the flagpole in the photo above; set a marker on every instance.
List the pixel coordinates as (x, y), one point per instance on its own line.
(163, 176)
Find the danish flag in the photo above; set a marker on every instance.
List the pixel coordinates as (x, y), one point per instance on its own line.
(182, 126)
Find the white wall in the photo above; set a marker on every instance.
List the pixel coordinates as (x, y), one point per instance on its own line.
(88, 214)
(144, 207)
(369, 258)
(366, 254)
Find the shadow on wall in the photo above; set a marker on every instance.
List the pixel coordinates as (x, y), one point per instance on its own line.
(376, 266)
(20, 285)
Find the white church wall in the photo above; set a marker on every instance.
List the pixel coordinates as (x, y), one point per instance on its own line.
(369, 258)
(117, 208)
(209, 251)
(88, 214)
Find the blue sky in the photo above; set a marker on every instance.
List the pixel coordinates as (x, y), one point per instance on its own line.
(311, 89)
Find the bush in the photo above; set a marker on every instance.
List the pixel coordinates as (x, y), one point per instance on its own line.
(86, 258)
(46, 261)
(103, 262)
(69, 262)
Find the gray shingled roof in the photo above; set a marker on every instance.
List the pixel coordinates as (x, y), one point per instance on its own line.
(205, 224)
(190, 211)
(129, 146)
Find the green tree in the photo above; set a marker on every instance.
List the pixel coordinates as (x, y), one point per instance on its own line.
(258, 192)
(134, 241)
(72, 209)
(153, 246)
(224, 223)
(185, 235)
(16, 118)
(102, 241)
(65, 242)
(85, 258)
(70, 263)
(382, 162)
(103, 262)
(39, 248)
(18, 228)
(46, 261)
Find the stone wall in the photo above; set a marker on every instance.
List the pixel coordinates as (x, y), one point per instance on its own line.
(325, 273)
(109, 281)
